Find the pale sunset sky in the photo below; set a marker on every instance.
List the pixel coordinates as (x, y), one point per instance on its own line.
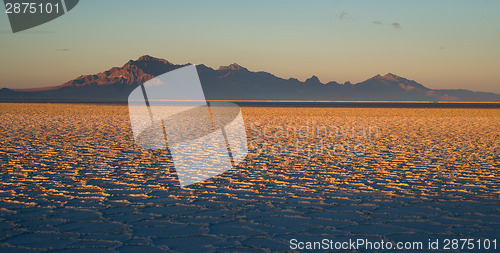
(447, 44)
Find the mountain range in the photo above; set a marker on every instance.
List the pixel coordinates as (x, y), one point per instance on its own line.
(235, 82)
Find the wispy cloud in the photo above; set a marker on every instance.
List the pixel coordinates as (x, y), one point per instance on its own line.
(395, 25)
(343, 16)
(62, 49)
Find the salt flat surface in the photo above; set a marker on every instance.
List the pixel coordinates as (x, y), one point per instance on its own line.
(72, 179)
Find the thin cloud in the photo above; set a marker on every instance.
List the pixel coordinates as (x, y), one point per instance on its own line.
(396, 25)
(343, 16)
(62, 49)
(377, 22)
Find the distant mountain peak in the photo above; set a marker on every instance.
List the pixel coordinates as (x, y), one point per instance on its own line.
(132, 73)
(234, 66)
(387, 77)
(392, 80)
(149, 59)
(391, 75)
(313, 80)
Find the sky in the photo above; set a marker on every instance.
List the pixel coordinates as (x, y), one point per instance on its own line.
(446, 44)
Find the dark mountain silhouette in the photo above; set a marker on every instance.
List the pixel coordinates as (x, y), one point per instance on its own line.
(235, 82)
(133, 72)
